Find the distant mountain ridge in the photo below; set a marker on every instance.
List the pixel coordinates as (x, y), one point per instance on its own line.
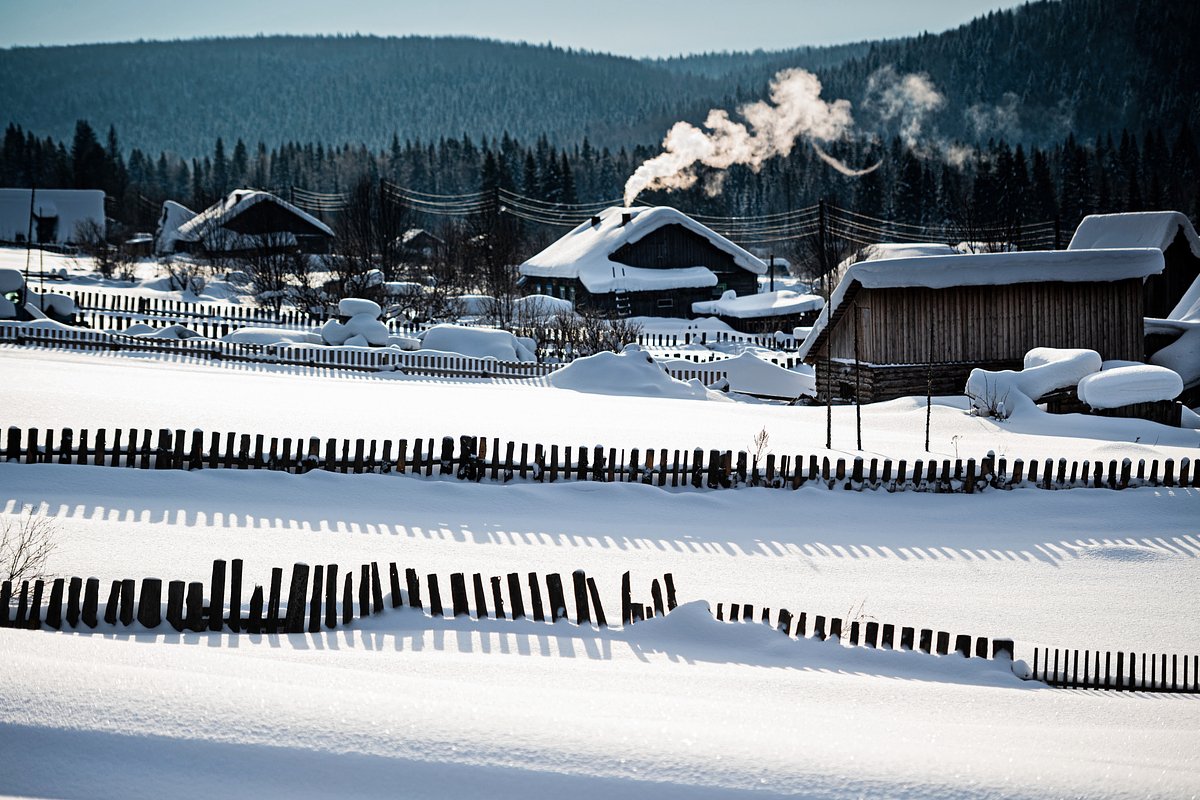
(1030, 74)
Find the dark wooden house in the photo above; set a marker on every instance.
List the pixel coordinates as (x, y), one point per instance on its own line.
(641, 262)
(250, 221)
(892, 325)
(1168, 231)
(418, 243)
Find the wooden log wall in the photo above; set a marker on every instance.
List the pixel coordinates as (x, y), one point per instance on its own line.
(476, 458)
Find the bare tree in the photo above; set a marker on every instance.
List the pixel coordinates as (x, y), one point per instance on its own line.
(108, 259)
(275, 267)
(26, 544)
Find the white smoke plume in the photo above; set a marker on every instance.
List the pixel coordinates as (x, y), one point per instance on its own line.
(770, 129)
(905, 101)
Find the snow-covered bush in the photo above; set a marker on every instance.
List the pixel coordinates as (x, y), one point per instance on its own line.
(361, 329)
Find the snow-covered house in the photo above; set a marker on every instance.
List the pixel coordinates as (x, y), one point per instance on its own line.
(60, 216)
(246, 221)
(1168, 231)
(766, 312)
(892, 325)
(420, 243)
(641, 261)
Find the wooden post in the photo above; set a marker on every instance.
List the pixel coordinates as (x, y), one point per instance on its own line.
(331, 585)
(91, 599)
(216, 602)
(414, 588)
(314, 605)
(535, 598)
(364, 592)
(376, 588)
(458, 595)
(175, 591)
(582, 612)
(273, 600)
(297, 594)
(235, 595)
(656, 596)
(601, 621)
(149, 612)
(195, 606)
(74, 589)
(435, 596)
(481, 607)
(554, 593)
(498, 597)
(54, 609)
(516, 601)
(110, 608)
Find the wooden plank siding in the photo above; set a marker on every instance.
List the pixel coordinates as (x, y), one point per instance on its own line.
(990, 323)
(674, 246)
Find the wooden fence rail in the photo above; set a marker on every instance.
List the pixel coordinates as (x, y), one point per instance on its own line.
(476, 458)
(310, 600)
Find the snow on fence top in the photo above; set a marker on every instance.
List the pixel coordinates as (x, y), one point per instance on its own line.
(584, 252)
(989, 269)
(765, 304)
(1155, 229)
(219, 214)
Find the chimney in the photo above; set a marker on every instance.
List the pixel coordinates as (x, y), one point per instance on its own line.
(626, 216)
(595, 220)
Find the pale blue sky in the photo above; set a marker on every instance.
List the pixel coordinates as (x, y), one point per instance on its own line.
(628, 27)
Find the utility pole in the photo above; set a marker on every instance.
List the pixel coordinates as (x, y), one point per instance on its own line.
(828, 400)
(28, 242)
(821, 248)
(772, 269)
(857, 378)
(929, 386)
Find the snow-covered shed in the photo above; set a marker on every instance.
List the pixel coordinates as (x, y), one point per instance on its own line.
(1168, 231)
(891, 325)
(249, 220)
(420, 243)
(766, 312)
(642, 261)
(59, 215)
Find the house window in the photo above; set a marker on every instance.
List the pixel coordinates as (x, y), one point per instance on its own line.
(719, 290)
(666, 302)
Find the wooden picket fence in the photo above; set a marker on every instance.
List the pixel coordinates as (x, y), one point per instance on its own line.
(476, 458)
(312, 600)
(869, 633)
(1120, 671)
(374, 359)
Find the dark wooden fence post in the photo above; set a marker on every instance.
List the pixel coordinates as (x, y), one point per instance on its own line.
(435, 596)
(216, 600)
(314, 604)
(582, 612)
(175, 590)
(149, 612)
(556, 597)
(516, 601)
(195, 606)
(331, 586)
(273, 600)
(91, 600)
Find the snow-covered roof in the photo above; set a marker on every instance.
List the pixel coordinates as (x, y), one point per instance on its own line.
(987, 269)
(1182, 355)
(1136, 229)
(883, 251)
(70, 207)
(173, 216)
(764, 304)
(585, 252)
(221, 213)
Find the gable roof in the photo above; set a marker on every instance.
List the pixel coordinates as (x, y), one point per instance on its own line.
(1135, 229)
(222, 212)
(585, 252)
(984, 269)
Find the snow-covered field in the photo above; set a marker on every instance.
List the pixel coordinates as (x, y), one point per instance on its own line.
(677, 707)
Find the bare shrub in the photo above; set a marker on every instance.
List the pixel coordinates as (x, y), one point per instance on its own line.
(26, 543)
(185, 276)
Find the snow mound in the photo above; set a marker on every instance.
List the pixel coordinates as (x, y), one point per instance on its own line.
(749, 374)
(60, 305)
(1046, 369)
(270, 336)
(476, 342)
(631, 372)
(1124, 386)
(11, 280)
(763, 304)
(540, 307)
(1121, 552)
(404, 342)
(363, 327)
(172, 332)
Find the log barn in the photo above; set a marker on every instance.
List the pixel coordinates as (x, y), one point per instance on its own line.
(641, 262)
(247, 221)
(1168, 231)
(891, 326)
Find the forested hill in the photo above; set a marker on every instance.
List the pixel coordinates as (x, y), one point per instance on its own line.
(1031, 74)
